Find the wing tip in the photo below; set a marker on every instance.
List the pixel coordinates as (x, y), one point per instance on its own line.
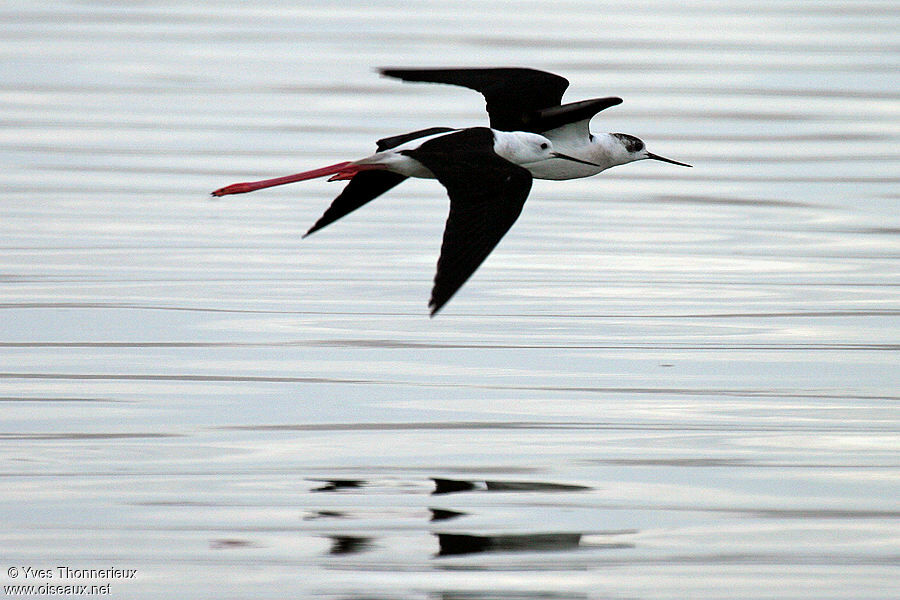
(316, 226)
(394, 72)
(434, 307)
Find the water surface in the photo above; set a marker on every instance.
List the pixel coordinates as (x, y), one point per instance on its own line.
(664, 383)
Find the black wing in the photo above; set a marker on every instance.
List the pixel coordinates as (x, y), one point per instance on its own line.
(364, 187)
(517, 99)
(487, 194)
(557, 116)
(368, 185)
(512, 95)
(394, 141)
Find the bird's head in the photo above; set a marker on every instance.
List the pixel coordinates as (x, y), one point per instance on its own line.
(628, 148)
(523, 147)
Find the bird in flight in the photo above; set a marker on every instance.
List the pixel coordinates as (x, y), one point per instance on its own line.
(487, 172)
(520, 99)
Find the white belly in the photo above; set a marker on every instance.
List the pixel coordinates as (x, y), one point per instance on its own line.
(558, 168)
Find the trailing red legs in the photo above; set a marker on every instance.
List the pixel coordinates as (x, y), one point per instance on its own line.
(339, 172)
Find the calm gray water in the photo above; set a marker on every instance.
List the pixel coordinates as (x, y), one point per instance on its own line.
(664, 383)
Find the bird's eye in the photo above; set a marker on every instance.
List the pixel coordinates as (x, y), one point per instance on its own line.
(544, 146)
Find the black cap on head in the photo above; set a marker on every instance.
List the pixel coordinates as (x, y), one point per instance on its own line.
(632, 144)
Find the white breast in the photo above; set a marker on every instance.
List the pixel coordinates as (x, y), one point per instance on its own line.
(574, 140)
(558, 168)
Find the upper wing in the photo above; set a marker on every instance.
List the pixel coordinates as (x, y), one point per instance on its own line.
(397, 140)
(511, 94)
(517, 99)
(574, 112)
(487, 194)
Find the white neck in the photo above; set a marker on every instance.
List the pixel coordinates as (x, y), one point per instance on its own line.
(604, 150)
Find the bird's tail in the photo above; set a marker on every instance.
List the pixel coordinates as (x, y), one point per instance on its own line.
(340, 171)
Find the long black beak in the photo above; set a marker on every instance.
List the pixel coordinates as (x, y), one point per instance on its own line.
(572, 158)
(668, 160)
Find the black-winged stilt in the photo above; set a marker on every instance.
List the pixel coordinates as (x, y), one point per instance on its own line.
(486, 175)
(519, 99)
(487, 172)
